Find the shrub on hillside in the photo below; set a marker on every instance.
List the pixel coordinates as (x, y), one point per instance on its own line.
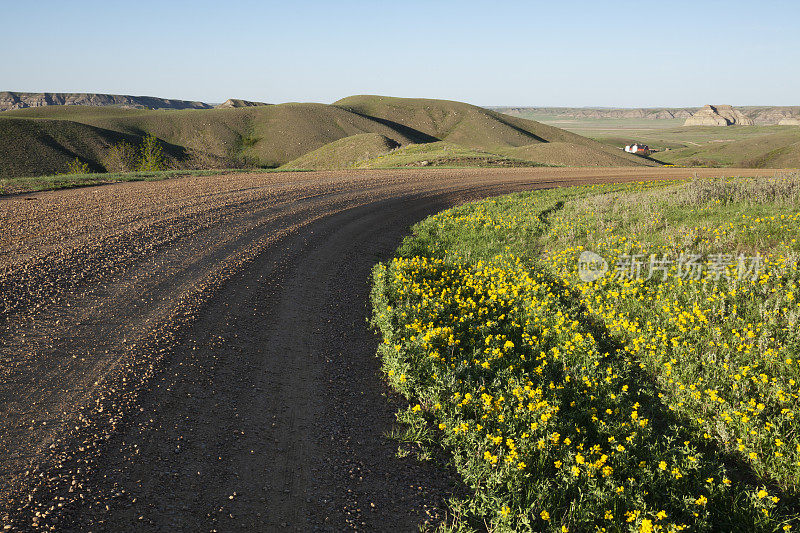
(76, 166)
(151, 156)
(121, 157)
(126, 157)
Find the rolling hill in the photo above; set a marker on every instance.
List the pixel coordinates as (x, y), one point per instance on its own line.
(36, 147)
(480, 128)
(346, 152)
(275, 135)
(46, 147)
(442, 154)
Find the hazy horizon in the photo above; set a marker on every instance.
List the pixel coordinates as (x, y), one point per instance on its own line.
(580, 54)
(597, 107)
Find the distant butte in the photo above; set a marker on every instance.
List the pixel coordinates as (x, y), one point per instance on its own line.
(15, 100)
(718, 115)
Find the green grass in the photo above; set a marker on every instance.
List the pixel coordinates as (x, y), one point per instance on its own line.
(470, 126)
(756, 146)
(625, 404)
(443, 154)
(345, 153)
(737, 146)
(18, 185)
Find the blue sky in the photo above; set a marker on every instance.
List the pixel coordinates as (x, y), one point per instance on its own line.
(488, 53)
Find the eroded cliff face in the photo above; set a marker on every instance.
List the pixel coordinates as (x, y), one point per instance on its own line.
(588, 112)
(760, 115)
(718, 115)
(768, 116)
(235, 102)
(16, 100)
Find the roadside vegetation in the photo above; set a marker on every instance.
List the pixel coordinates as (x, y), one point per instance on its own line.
(124, 161)
(652, 398)
(148, 156)
(73, 180)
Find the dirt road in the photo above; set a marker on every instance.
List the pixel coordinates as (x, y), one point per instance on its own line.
(193, 354)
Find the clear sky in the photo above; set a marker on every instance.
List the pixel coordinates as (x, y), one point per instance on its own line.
(554, 53)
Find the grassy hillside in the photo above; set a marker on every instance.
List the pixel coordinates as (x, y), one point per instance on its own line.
(444, 120)
(345, 153)
(43, 140)
(46, 146)
(268, 136)
(469, 125)
(443, 154)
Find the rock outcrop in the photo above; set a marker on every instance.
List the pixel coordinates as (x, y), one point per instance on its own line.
(760, 115)
(235, 102)
(789, 121)
(767, 116)
(718, 115)
(656, 113)
(15, 100)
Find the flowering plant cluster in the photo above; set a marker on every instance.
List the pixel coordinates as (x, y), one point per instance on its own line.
(618, 404)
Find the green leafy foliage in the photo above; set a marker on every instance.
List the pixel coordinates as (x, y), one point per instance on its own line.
(619, 404)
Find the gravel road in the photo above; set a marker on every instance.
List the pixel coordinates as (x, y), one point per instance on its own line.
(193, 354)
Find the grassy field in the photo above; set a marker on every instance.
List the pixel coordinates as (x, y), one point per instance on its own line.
(739, 146)
(658, 395)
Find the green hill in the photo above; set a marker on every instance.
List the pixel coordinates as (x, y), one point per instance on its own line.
(476, 127)
(45, 147)
(269, 136)
(443, 154)
(45, 138)
(40, 147)
(345, 153)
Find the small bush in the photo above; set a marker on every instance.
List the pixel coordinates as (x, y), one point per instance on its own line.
(121, 157)
(76, 166)
(151, 157)
(125, 157)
